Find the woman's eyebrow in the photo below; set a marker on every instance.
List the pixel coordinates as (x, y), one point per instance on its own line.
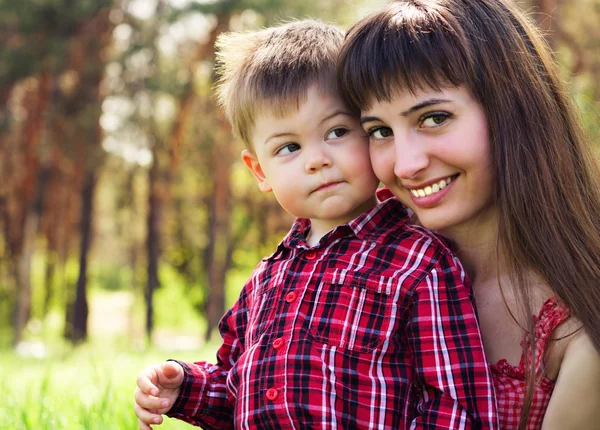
(424, 104)
(364, 119)
(418, 106)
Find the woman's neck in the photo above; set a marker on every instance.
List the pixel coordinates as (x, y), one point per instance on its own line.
(476, 244)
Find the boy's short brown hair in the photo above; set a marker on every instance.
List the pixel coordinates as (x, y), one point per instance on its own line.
(271, 70)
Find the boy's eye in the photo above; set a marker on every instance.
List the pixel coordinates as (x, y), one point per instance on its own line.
(337, 133)
(380, 132)
(434, 119)
(288, 149)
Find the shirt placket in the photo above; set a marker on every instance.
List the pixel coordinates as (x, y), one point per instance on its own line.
(286, 362)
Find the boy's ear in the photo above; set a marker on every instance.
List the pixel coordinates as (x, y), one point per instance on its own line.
(253, 165)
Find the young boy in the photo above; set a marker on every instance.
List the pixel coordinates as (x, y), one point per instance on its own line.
(358, 319)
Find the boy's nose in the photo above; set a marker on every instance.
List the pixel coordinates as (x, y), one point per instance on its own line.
(317, 158)
(411, 159)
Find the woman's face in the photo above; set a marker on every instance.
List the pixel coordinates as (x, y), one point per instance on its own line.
(432, 150)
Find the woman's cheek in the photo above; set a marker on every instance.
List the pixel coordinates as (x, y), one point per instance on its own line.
(382, 166)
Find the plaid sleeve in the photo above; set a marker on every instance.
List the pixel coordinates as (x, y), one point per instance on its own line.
(453, 385)
(203, 400)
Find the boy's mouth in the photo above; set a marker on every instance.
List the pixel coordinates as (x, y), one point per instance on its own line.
(328, 186)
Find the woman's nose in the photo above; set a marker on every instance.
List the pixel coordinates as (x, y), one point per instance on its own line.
(411, 158)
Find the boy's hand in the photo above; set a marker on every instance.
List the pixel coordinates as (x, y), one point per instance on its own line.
(157, 389)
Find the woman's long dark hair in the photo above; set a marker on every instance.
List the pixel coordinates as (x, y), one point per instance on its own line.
(546, 185)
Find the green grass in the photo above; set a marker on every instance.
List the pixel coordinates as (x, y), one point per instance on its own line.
(89, 387)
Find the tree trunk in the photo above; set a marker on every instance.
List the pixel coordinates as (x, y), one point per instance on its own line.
(153, 240)
(80, 311)
(22, 311)
(37, 141)
(49, 273)
(86, 57)
(23, 260)
(132, 239)
(72, 203)
(220, 239)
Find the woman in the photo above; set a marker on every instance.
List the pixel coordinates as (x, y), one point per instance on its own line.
(470, 126)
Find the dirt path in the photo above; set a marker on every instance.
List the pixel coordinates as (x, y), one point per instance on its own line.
(111, 315)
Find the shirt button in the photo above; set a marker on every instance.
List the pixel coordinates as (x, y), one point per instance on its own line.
(272, 394)
(310, 255)
(290, 297)
(278, 343)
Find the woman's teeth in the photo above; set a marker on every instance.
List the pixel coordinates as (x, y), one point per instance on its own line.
(432, 189)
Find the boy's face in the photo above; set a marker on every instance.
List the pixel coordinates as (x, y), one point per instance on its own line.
(315, 160)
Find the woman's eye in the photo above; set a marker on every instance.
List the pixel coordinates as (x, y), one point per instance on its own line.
(434, 120)
(337, 133)
(380, 132)
(288, 149)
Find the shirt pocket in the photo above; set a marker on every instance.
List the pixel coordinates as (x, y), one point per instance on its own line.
(354, 314)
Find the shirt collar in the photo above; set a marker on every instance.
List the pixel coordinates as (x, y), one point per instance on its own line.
(388, 208)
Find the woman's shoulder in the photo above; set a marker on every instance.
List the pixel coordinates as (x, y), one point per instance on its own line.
(574, 402)
(563, 330)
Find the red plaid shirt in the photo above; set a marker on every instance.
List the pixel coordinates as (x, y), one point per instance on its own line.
(374, 328)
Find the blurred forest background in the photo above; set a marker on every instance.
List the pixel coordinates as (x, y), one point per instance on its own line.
(127, 220)
(124, 208)
(123, 202)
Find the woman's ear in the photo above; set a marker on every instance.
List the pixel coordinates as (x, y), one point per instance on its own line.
(253, 165)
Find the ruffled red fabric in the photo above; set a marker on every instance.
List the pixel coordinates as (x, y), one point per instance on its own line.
(509, 380)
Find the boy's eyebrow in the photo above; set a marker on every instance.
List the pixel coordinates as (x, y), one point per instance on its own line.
(331, 115)
(418, 106)
(334, 114)
(278, 135)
